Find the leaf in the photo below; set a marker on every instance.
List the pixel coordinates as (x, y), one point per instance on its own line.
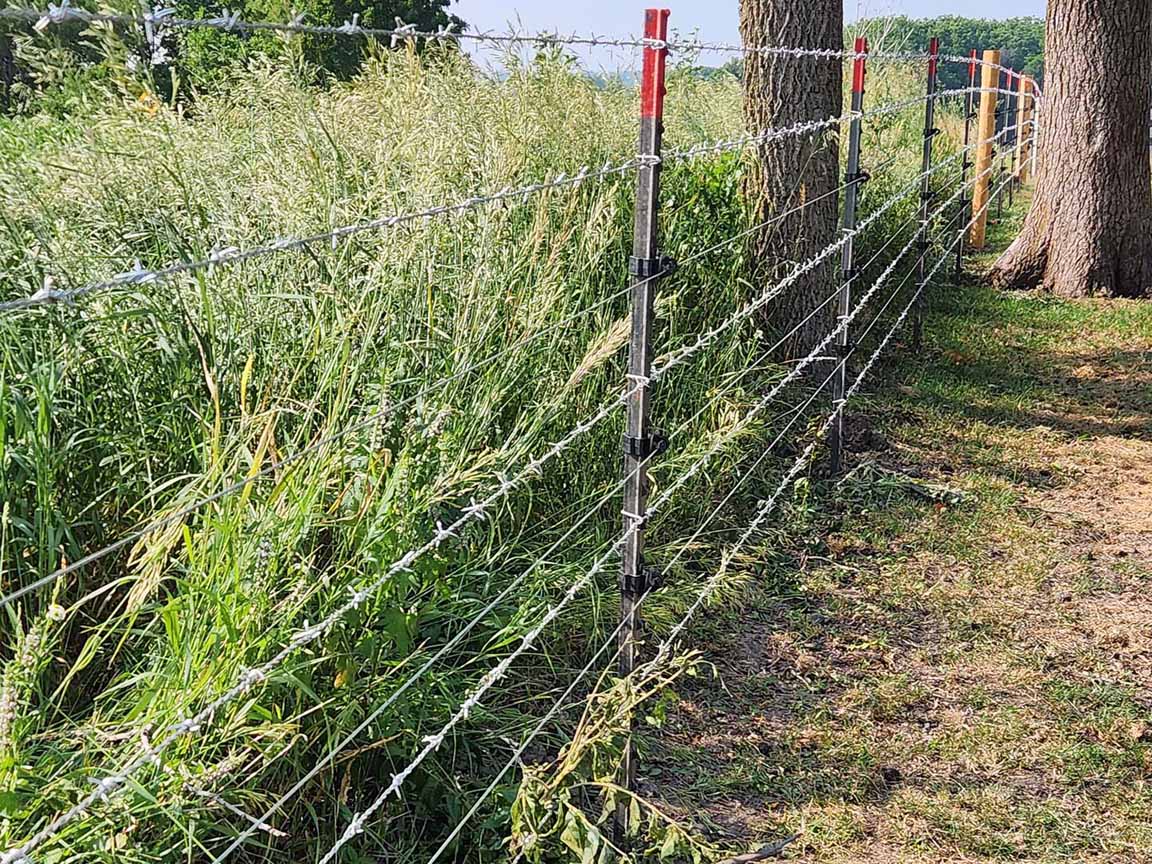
(668, 848)
(571, 835)
(258, 459)
(245, 377)
(11, 804)
(591, 847)
(397, 625)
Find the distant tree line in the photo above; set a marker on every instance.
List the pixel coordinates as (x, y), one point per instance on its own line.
(1021, 41)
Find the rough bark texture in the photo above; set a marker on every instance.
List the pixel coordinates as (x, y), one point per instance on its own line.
(780, 91)
(1089, 232)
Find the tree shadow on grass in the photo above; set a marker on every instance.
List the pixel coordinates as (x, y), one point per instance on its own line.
(821, 679)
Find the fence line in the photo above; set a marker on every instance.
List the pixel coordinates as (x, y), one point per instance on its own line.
(247, 679)
(114, 783)
(433, 742)
(763, 403)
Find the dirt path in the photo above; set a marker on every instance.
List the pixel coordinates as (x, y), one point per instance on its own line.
(947, 683)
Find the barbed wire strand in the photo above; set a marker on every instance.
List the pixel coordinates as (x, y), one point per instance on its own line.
(374, 418)
(232, 255)
(161, 19)
(801, 269)
(225, 255)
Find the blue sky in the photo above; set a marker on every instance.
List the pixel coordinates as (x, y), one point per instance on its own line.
(715, 20)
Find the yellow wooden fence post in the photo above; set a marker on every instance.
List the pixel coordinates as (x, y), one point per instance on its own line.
(989, 86)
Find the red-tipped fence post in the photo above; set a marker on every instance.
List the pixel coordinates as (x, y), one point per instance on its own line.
(852, 182)
(930, 133)
(965, 198)
(640, 442)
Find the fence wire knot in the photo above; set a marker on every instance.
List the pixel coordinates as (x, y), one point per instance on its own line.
(54, 15)
(49, 294)
(252, 677)
(403, 31)
(105, 786)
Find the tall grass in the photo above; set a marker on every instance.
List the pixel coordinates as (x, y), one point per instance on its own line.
(138, 402)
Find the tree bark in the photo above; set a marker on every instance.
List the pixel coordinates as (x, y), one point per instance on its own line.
(1089, 231)
(789, 172)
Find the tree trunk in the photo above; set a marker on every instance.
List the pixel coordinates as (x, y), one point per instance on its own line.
(781, 91)
(1089, 232)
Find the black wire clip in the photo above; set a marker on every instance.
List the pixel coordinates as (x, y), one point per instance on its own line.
(651, 268)
(637, 584)
(654, 445)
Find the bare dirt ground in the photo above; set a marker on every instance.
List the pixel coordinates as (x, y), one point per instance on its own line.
(951, 682)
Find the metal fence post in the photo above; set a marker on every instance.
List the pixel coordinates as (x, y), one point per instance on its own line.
(930, 133)
(852, 181)
(639, 441)
(1011, 140)
(966, 163)
(1001, 142)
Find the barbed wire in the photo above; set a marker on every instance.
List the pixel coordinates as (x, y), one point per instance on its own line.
(229, 255)
(232, 22)
(810, 264)
(249, 678)
(226, 255)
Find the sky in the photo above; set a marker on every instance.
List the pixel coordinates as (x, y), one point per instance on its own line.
(713, 20)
